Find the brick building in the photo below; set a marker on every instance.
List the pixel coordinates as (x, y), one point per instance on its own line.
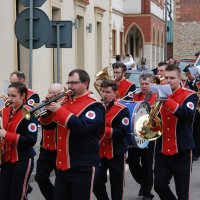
(186, 28)
(144, 29)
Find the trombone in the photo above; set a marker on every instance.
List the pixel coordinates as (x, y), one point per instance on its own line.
(34, 111)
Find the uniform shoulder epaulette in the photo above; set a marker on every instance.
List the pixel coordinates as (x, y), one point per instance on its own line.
(30, 90)
(93, 97)
(130, 81)
(188, 90)
(117, 103)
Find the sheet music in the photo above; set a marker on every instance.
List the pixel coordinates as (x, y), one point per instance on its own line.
(195, 71)
(162, 90)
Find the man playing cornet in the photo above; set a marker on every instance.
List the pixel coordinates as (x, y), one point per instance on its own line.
(80, 123)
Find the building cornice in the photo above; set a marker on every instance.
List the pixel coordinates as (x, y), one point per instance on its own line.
(82, 3)
(144, 15)
(114, 11)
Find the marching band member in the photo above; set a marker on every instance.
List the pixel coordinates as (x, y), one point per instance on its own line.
(140, 161)
(191, 83)
(80, 123)
(112, 145)
(46, 162)
(19, 135)
(161, 71)
(173, 154)
(32, 97)
(124, 86)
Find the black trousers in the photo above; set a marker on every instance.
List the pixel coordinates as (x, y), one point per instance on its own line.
(46, 163)
(116, 170)
(177, 166)
(196, 134)
(140, 163)
(74, 184)
(14, 179)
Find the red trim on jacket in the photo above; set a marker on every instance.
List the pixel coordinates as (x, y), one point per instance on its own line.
(11, 137)
(123, 87)
(62, 117)
(106, 144)
(141, 96)
(169, 120)
(49, 139)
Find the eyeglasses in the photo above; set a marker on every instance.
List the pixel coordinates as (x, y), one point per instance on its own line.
(73, 82)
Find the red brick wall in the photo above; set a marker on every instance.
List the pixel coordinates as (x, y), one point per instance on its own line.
(145, 23)
(145, 6)
(188, 11)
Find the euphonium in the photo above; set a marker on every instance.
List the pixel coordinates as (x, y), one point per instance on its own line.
(157, 79)
(102, 75)
(149, 126)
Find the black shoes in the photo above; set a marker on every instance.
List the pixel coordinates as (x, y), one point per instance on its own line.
(145, 197)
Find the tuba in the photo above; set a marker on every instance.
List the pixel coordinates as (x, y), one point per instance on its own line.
(102, 75)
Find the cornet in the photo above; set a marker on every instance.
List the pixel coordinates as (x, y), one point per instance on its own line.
(6, 104)
(34, 111)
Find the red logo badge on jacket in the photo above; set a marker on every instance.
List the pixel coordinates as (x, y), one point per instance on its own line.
(90, 114)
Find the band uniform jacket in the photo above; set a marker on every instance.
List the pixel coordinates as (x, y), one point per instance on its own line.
(125, 87)
(141, 97)
(191, 85)
(177, 114)
(21, 135)
(113, 142)
(32, 97)
(81, 122)
(49, 135)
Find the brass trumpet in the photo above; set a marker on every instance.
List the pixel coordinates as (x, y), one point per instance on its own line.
(6, 104)
(34, 111)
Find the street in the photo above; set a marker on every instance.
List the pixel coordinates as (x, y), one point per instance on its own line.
(131, 187)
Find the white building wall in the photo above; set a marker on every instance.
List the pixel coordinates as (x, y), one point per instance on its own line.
(132, 7)
(157, 11)
(43, 57)
(118, 25)
(127, 6)
(8, 59)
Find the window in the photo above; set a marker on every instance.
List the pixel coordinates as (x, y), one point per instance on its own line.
(121, 42)
(114, 42)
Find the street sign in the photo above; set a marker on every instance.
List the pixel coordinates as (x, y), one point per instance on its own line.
(36, 3)
(63, 30)
(41, 28)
